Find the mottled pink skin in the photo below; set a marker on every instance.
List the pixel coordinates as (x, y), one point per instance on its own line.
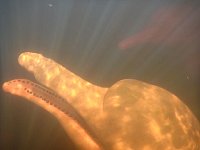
(170, 26)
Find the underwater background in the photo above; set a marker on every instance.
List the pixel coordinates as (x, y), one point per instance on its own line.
(103, 41)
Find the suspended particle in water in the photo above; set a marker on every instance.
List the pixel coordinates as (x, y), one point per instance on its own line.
(50, 5)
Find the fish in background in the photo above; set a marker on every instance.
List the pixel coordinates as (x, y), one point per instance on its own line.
(172, 26)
